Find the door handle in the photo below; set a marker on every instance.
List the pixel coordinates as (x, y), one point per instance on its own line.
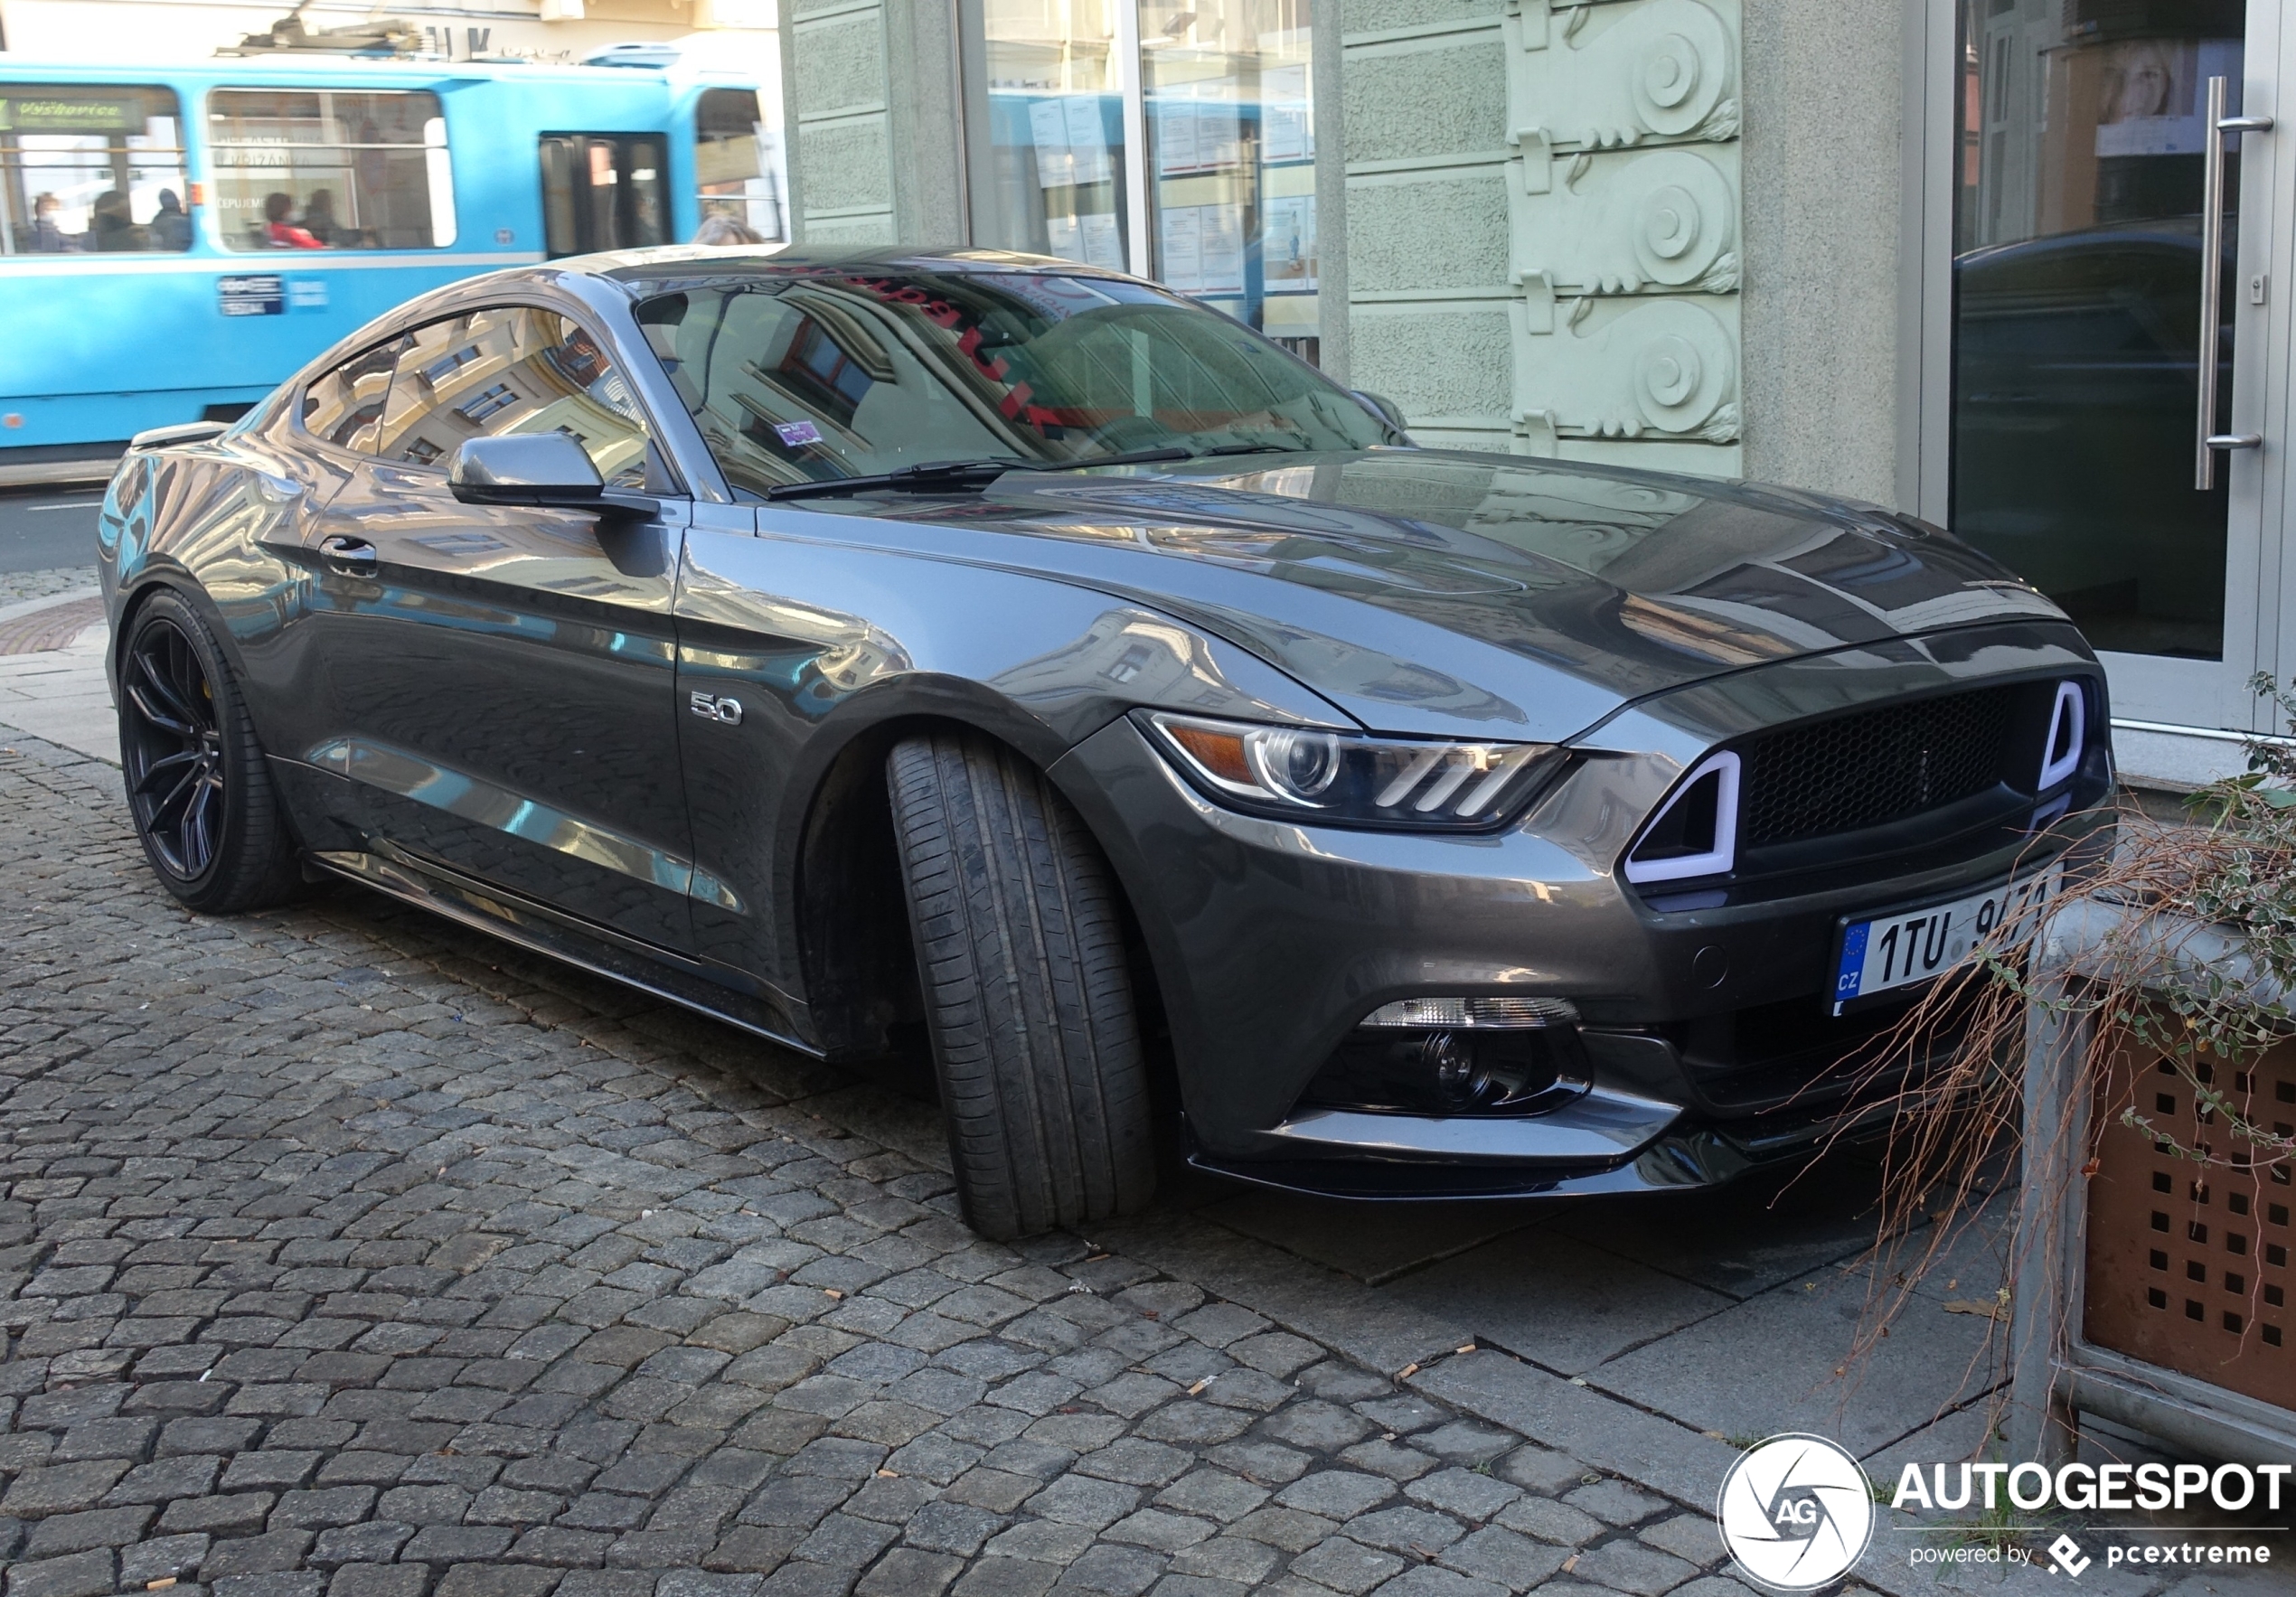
(353, 557)
(2212, 283)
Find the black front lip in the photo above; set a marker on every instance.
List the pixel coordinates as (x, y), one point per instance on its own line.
(1690, 1156)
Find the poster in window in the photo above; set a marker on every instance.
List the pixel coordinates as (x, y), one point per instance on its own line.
(1284, 115)
(1182, 242)
(1049, 128)
(1175, 137)
(1222, 249)
(1289, 252)
(1063, 238)
(1218, 143)
(1087, 139)
(1102, 247)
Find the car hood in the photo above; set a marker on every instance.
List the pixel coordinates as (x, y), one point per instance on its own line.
(1421, 589)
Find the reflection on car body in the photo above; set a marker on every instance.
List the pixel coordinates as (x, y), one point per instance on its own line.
(1432, 823)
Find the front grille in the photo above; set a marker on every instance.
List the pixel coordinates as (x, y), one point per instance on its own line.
(1871, 768)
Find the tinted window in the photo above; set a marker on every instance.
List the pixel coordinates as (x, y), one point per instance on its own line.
(604, 190)
(511, 370)
(331, 170)
(819, 374)
(344, 406)
(89, 169)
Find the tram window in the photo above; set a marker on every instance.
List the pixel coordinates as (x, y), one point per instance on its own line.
(331, 169)
(604, 190)
(512, 369)
(91, 169)
(344, 406)
(732, 173)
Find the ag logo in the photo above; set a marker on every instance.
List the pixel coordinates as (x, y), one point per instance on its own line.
(1796, 1512)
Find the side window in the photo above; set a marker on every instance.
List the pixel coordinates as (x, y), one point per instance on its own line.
(89, 169)
(512, 369)
(345, 405)
(331, 169)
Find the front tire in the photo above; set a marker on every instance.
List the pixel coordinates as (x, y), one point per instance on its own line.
(197, 785)
(1021, 957)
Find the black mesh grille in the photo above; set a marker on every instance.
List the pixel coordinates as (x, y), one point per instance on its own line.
(1869, 769)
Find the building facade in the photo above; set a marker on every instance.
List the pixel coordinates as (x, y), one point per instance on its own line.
(1942, 255)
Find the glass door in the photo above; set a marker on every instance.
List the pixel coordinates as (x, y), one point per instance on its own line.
(2103, 216)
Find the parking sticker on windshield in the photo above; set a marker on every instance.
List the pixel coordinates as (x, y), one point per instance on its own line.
(795, 433)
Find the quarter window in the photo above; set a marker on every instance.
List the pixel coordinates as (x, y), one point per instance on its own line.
(512, 369)
(91, 169)
(346, 406)
(331, 169)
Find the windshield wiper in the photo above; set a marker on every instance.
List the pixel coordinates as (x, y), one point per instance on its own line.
(1256, 449)
(944, 476)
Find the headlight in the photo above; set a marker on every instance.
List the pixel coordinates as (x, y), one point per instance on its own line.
(1341, 779)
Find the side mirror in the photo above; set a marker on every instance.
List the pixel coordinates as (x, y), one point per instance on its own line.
(549, 470)
(1385, 409)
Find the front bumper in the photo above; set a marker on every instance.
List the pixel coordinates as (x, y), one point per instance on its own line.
(1709, 1047)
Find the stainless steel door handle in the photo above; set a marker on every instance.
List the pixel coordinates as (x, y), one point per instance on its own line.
(2212, 284)
(354, 557)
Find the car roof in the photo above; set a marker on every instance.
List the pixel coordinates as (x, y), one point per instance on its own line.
(645, 272)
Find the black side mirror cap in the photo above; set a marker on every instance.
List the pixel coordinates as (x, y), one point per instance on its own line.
(539, 470)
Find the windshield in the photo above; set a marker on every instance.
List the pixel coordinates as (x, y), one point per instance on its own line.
(822, 374)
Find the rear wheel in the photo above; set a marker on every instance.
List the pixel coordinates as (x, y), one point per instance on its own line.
(197, 785)
(1021, 953)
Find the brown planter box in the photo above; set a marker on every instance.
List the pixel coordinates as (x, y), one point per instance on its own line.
(2188, 1264)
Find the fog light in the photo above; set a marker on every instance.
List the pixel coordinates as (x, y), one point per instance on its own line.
(1495, 1014)
(1521, 1069)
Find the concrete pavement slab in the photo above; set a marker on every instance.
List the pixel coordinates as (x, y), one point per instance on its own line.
(1556, 1300)
(1783, 1361)
(1371, 1242)
(1746, 1238)
(1588, 1424)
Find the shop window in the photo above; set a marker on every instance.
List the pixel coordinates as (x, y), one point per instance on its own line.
(1174, 142)
(91, 169)
(737, 167)
(331, 169)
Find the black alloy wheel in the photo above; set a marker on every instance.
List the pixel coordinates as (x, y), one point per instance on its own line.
(198, 787)
(173, 749)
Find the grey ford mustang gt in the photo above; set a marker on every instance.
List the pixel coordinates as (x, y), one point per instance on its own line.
(1002, 656)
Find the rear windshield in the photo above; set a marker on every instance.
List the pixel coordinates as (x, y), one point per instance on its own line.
(824, 374)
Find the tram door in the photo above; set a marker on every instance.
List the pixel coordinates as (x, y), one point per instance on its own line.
(605, 191)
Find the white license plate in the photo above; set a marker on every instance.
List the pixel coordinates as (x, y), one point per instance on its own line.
(1915, 944)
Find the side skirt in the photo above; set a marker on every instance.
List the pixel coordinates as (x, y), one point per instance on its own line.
(540, 930)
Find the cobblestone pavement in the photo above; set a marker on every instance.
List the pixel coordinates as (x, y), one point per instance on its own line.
(343, 1252)
(18, 586)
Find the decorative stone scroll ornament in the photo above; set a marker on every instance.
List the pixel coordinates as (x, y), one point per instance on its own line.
(1643, 368)
(1632, 223)
(1624, 72)
(1623, 224)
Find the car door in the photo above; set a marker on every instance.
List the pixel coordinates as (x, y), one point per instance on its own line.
(499, 679)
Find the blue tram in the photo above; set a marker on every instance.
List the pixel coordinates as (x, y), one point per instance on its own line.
(174, 241)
